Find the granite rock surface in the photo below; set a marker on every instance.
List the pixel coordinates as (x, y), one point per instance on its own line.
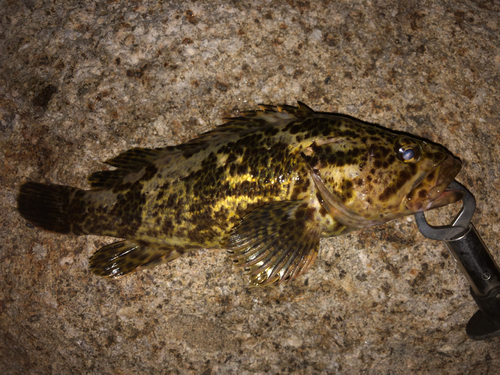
(82, 81)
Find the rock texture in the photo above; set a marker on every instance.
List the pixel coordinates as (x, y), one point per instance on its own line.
(81, 81)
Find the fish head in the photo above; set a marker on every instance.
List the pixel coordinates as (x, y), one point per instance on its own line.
(372, 175)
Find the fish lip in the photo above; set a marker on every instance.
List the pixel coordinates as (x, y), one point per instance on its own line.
(440, 194)
(448, 196)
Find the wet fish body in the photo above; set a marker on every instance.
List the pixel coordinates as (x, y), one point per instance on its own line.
(265, 186)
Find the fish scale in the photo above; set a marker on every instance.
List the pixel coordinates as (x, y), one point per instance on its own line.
(265, 186)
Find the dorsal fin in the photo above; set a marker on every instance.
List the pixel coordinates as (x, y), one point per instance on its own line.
(220, 132)
(249, 121)
(300, 111)
(130, 160)
(106, 179)
(271, 113)
(137, 158)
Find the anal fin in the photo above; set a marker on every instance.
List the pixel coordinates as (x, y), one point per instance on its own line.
(276, 243)
(120, 258)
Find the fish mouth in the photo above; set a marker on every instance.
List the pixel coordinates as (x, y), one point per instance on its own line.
(432, 190)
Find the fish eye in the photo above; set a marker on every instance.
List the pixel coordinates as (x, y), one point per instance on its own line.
(407, 150)
(408, 154)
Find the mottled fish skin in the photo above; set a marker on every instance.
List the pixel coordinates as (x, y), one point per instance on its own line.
(265, 186)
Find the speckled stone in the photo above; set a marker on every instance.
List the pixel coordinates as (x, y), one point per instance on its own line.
(81, 81)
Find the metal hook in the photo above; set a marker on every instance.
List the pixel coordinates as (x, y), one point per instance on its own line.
(459, 225)
(475, 261)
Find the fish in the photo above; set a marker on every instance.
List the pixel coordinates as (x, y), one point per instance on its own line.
(265, 186)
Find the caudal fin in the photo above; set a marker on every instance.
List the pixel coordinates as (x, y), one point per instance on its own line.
(45, 206)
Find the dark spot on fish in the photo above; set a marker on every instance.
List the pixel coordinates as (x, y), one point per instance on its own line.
(347, 195)
(324, 127)
(341, 159)
(308, 122)
(167, 226)
(242, 169)
(271, 131)
(319, 197)
(384, 151)
(160, 194)
(231, 158)
(354, 153)
(388, 192)
(422, 194)
(309, 213)
(149, 173)
(403, 178)
(295, 129)
(347, 184)
(334, 159)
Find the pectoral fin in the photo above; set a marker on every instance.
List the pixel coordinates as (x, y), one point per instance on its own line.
(276, 243)
(121, 258)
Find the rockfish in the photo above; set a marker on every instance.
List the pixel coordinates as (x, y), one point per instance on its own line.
(265, 186)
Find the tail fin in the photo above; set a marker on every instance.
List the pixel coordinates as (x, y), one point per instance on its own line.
(45, 206)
